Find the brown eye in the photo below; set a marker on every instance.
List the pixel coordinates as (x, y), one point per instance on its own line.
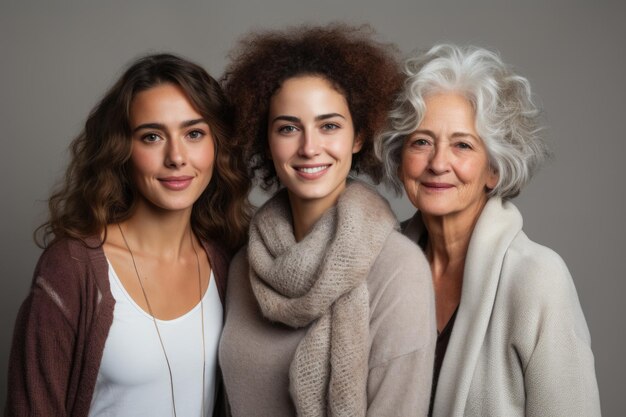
(419, 142)
(150, 138)
(196, 134)
(330, 126)
(287, 129)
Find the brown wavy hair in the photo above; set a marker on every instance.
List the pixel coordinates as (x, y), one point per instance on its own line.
(365, 71)
(98, 190)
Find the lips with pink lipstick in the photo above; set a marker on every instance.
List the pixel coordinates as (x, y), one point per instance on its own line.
(437, 186)
(176, 183)
(311, 171)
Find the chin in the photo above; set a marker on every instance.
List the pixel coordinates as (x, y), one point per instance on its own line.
(171, 205)
(435, 209)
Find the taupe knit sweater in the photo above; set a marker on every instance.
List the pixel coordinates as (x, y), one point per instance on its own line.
(390, 334)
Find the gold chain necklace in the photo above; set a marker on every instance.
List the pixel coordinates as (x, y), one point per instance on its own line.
(145, 296)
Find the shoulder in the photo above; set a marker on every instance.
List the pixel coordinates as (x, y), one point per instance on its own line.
(68, 271)
(65, 258)
(66, 248)
(402, 258)
(528, 269)
(535, 270)
(398, 246)
(400, 271)
(402, 306)
(539, 289)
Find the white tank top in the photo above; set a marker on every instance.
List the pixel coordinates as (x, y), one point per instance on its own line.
(133, 379)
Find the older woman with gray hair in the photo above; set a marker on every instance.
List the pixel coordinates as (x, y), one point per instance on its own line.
(463, 140)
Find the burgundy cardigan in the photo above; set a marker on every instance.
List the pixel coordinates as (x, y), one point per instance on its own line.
(62, 326)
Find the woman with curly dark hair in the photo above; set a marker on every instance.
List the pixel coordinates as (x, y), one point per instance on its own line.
(125, 310)
(330, 310)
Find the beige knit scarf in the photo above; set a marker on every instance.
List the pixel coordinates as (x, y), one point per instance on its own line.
(320, 281)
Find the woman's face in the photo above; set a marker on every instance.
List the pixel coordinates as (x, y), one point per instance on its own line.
(172, 148)
(444, 166)
(311, 139)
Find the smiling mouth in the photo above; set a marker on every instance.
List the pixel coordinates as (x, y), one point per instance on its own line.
(312, 170)
(176, 183)
(437, 186)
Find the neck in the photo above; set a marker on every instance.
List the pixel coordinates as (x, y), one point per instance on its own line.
(305, 214)
(160, 232)
(448, 241)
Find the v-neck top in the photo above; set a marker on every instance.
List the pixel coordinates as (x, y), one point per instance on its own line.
(133, 378)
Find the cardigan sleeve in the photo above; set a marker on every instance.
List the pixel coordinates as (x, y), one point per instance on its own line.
(559, 374)
(43, 345)
(402, 332)
(40, 361)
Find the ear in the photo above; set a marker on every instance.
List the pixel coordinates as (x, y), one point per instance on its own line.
(358, 143)
(492, 178)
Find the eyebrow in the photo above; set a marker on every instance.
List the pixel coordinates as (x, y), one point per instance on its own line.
(294, 119)
(160, 126)
(454, 135)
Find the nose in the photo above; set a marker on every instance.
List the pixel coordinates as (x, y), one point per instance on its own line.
(175, 154)
(439, 160)
(309, 145)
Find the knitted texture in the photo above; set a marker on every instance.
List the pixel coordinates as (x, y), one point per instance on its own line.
(320, 281)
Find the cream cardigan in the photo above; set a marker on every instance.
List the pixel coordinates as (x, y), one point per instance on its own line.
(520, 344)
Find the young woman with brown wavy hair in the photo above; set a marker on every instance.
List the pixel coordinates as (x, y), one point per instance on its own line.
(125, 309)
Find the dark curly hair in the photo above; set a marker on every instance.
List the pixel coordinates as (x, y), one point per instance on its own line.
(363, 70)
(98, 190)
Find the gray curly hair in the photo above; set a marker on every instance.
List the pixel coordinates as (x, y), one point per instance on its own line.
(506, 117)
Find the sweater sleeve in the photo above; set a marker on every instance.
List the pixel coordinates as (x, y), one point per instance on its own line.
(42, 350)
(559, 374)
(402, 332)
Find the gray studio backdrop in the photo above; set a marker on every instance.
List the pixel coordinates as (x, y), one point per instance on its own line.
(57, 58)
